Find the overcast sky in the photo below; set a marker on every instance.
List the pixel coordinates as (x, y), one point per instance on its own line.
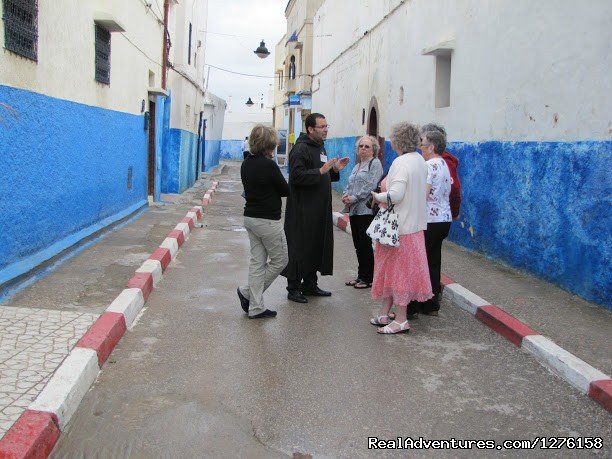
(252, 21)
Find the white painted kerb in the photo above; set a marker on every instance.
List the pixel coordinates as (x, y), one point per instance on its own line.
(154, 267)
(184, 227)
(129, 303)
(574, 370)
(171, 244)
(68, 385)
(463, 298)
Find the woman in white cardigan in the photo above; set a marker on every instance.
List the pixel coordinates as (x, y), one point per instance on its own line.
(401, 274)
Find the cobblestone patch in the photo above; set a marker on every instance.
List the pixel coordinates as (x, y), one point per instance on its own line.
(33, 343)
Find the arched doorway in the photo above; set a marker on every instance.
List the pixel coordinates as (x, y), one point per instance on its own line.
(373, 115)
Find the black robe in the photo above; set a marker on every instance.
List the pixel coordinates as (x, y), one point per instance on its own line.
(308, 215)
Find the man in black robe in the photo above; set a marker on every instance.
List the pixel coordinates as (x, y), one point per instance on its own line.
(308, 215)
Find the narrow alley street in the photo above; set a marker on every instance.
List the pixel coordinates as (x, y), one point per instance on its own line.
(195, 378)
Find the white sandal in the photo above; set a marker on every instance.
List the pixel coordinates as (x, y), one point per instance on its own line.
(378, 321)
(404, 327)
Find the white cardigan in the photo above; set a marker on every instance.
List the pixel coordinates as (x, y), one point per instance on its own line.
(407, 187)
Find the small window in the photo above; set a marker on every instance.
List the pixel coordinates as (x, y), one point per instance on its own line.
(292, 68)
(189, 46)
(443, 81)
(103, 53)
(21, 27)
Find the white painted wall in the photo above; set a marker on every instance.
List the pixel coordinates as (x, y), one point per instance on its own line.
(186, 79)
(214, 113)
(521, 70)
(238, 125)
(66, 59)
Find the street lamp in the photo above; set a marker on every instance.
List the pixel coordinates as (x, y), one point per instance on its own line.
(262, 52)
(249, 102)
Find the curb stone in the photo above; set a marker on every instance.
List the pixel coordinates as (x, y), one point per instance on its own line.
(39, 427)
(587, 379)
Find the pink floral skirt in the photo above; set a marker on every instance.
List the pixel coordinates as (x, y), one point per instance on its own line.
(402, 272)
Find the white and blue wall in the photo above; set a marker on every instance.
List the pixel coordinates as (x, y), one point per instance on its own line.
(73, 152)
(195, 116)
(528, 116)
(238, 124)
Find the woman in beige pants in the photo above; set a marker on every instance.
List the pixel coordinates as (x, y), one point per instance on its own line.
(264, 185)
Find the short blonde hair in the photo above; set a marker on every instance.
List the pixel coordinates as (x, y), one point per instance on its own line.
(375, 144)
(263, 139)
(406, 137)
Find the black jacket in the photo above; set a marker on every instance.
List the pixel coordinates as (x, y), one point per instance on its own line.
(308, 215)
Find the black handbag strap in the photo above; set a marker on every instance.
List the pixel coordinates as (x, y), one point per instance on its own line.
(390, 205)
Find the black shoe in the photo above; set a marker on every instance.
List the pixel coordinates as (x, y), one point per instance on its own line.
(264, 315)
(316, 292)
(244, 303)
(297, 297)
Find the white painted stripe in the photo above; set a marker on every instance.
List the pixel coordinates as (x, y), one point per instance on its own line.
(569, 367)
(207, 196)
(129, 303)
(193, 216)
(462, 297)
(348, 228)
(154, 267)
(171, 244)
(184, 227)
(335, 217)
(68, 385)
(215, 184)
(198, 208)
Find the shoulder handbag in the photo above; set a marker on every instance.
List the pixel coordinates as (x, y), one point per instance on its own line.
(370, 204)
(384, 229)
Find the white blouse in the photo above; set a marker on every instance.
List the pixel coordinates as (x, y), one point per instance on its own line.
(406, 184)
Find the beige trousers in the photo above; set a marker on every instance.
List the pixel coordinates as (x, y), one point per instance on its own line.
(268, 258)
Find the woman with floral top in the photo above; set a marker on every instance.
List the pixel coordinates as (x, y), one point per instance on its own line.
(439, 216)
(364, 178)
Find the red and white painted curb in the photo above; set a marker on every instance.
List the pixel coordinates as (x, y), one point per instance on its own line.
(342, 221)
(577, 372)
(207, 199)
(37, 430)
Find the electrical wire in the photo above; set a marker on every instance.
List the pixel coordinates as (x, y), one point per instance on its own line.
(257, 76)
(252, 36)
(138, 48)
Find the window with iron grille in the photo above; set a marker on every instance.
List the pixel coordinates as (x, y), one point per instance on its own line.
(103, 52)
(21, 27)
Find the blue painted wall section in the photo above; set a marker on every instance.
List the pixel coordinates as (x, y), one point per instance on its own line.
(179, 161)
(231, 149)
(543, 207)
(212, 154)
(64, 174)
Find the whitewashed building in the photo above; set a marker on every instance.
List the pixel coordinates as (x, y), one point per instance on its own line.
(85, 132)
(523, 90)
(196, 115)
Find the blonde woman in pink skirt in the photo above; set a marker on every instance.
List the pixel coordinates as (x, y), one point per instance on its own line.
(401, 274)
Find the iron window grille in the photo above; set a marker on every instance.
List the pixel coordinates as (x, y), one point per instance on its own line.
(103, 52)
(21, 27)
